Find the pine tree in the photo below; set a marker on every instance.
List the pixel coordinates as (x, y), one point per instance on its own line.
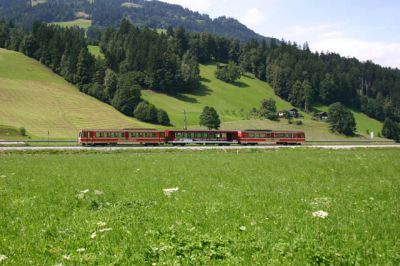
(84, 67)
(110, 84)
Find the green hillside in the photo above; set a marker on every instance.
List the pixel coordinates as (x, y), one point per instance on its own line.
(234, 103)
(33, 97)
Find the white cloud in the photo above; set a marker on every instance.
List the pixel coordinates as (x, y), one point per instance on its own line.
(384, 53)
(253, 18)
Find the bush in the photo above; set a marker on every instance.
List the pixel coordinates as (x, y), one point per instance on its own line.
(229, 73)
(391, 130)
(146, 112)
(299, 123)
(22, 131)
(268, 109)
(163, 118)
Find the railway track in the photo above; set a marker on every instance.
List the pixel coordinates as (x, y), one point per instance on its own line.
(77, 148)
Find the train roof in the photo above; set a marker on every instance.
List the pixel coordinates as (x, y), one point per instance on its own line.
(124, 129)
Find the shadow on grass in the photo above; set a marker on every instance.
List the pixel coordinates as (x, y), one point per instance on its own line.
(240, 84)
(202, 91)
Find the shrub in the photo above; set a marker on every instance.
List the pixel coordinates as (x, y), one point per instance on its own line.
(229, 73)
(268, 109)
(299, 123)
(22, 131)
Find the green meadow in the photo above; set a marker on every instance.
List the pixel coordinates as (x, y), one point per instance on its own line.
(283, 207)
(33, 97)
(81, 23)
(234, 103)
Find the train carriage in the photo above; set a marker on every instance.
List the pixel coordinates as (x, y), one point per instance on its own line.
(183, 137)
(121, 137)
(263, 137)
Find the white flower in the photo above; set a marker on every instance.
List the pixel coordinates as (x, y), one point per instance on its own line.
(93, 235)
(105, 230)
(243, 228)
(3, 176)
(320, 214)
(66, 257)
(3, 257)
(85, 191)
(98, 192)
(168, 191)
(101, 224)
(80, 250)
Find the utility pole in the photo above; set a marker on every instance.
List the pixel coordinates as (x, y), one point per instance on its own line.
(184, 120)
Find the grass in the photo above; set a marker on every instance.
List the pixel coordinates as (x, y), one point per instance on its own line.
(11, 133)
(95, 50)
(232, 208)
(234, 103)
(33, 97)
(81, 23)
(226, 98)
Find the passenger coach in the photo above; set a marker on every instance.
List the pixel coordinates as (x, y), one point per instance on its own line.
(121, 137)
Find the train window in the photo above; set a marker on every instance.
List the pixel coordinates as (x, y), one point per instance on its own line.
(199, 135)
(162, 134)
(108, 134)
(140, 135)
(133, 135)
(258, 136)
(146, 135)
(223, 135)
(179, 134)
(98, 135)
(252, 135)
(268, 136)
(153, 135)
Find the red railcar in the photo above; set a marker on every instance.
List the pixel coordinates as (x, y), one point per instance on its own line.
(121, 137)
(183, 137)
(254, 137)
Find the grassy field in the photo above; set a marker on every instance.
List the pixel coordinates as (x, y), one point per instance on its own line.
(232, 208)
(33, 97)
(81, 23)
(95, 50)
(234, 103)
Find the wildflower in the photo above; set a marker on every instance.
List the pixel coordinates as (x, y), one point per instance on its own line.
(3, 257)
(3, 176)
(101, 224)
(80, 250)
(105, 230)
(98, 192)
(168, 191)
(320, 214)
(93, 235)
(66, 257)
(243, 228)
(84, 191)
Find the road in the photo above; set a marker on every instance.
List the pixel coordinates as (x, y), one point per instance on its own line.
(79, 148)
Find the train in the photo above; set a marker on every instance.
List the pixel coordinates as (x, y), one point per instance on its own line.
(154, 137)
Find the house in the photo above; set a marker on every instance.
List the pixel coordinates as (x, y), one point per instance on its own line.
(321, 116)
(283, 114)
(294, 113)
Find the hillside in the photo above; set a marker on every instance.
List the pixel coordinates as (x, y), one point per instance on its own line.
(33, 97)
(234, 104)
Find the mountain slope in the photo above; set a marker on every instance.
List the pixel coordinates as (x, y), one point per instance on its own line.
(234, 104)
(33, 97)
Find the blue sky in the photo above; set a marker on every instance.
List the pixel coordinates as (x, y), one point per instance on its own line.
(368, 30)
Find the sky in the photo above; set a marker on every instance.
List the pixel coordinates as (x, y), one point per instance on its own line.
(365, 29)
